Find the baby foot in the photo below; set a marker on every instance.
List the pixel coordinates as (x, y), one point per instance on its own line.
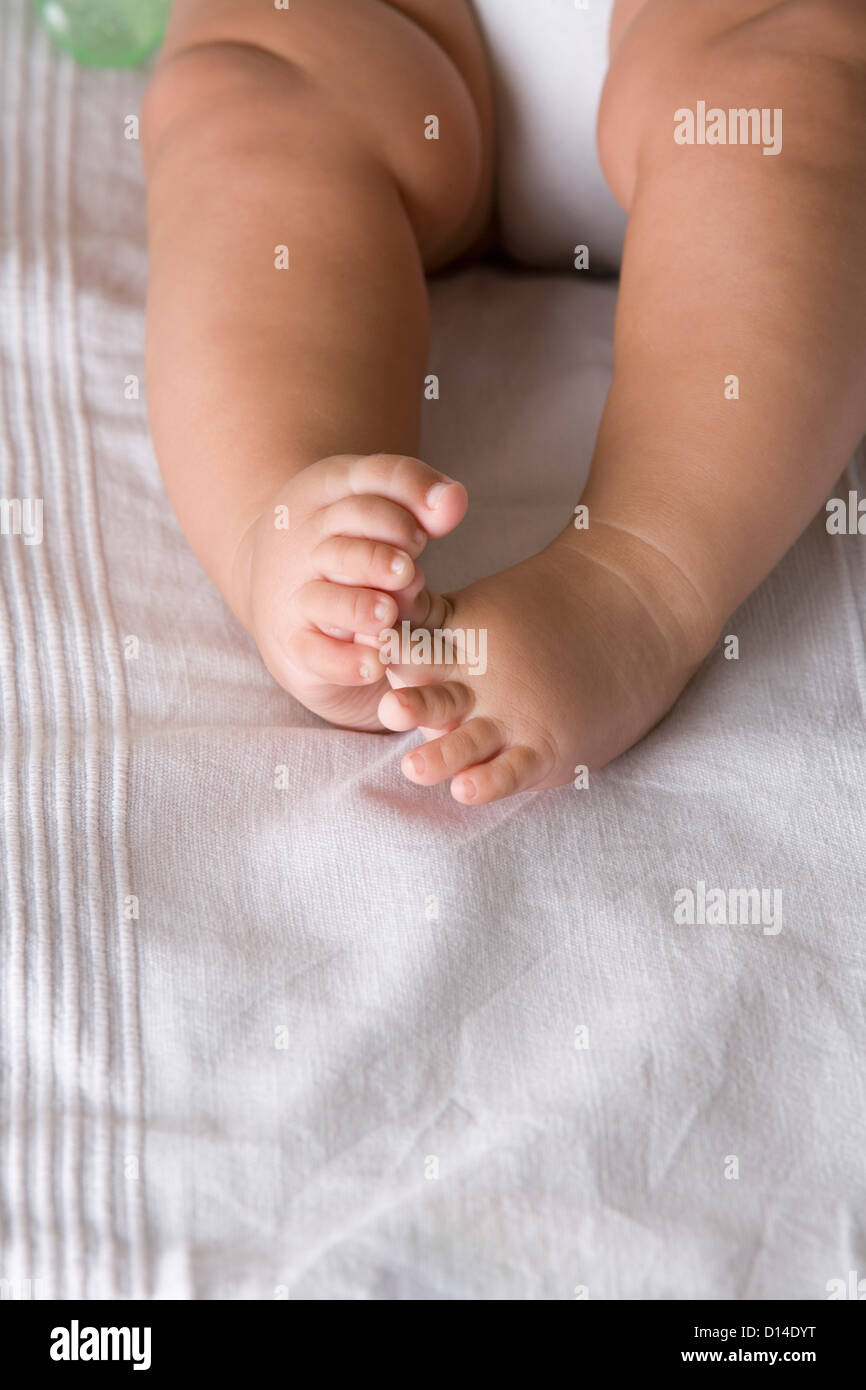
(329, 563)
(588, 644)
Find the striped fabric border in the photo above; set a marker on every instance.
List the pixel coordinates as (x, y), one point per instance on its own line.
(71, 1049)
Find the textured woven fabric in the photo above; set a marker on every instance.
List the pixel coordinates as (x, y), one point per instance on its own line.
(273, 1022)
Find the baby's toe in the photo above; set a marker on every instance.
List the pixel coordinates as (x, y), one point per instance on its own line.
(423, 606)
(473, 742)
(348, 560)
(436, 501)
(516, 770)
(373, 518)
(342, 611)
(439, 707)
(332, 661)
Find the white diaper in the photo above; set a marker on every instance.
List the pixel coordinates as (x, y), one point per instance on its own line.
(549, 59)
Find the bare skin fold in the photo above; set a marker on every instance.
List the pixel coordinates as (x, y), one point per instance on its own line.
(285, 404)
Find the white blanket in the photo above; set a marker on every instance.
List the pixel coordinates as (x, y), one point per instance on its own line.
(275, 1023)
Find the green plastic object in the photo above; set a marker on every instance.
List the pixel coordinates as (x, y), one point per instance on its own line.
(105, 33)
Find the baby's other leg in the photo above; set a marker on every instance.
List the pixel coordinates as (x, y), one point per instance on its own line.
(696, 489)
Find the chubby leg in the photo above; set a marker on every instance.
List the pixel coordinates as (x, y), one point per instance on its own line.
(294, 204)
(738, 394)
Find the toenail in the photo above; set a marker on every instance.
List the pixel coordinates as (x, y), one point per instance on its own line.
(435, 495)
(398, 564)
(364, 671)
(468, 789)
(416, 761)
(380, 612)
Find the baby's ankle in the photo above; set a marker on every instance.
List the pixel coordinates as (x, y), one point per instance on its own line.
(671, 602)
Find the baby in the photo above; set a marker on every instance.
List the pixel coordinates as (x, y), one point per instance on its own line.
(285, 405)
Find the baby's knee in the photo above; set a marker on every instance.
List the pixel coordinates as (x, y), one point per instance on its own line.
(370, 74)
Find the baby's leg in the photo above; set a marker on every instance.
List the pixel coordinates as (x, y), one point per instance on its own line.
(739, 390)
(295, 199)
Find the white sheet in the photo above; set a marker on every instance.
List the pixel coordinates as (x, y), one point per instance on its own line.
(429, 965)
